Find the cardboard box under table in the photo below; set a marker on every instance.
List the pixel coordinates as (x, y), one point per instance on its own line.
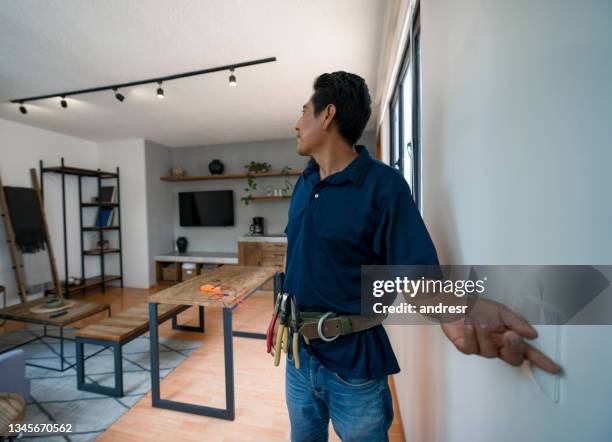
(237, 284)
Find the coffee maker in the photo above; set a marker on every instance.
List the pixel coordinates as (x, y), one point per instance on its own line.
(257, 228)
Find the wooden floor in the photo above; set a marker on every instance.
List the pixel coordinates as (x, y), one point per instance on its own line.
(261, 413)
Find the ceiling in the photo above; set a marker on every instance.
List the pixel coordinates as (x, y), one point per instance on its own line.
(54, 46)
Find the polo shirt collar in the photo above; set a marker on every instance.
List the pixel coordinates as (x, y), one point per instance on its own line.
(354, 172)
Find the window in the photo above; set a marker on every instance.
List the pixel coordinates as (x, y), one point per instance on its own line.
(395, 135)
(405, 111)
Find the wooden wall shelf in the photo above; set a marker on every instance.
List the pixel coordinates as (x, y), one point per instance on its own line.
(266, 197)
(231, 176)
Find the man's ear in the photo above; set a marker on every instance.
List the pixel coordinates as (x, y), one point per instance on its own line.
(328, 116)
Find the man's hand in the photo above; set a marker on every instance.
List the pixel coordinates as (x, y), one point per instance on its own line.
(493, 330)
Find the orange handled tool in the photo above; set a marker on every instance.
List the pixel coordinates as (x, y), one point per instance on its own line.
(270, 332)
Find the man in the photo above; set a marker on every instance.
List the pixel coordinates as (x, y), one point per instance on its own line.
(348, 210)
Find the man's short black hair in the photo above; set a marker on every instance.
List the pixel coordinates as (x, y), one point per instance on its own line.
(350, 95)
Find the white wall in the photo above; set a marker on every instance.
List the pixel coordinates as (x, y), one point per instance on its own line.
(21, 148)
(516, 139)
(129, 155)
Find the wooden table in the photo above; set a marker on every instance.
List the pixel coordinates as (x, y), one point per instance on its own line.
(80, 310)
(12, 410)
(237, 283)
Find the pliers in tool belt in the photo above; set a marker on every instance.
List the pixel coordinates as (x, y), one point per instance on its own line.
(283, 332)
(270, 332)
(295, 327)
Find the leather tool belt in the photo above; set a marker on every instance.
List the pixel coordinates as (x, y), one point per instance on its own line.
(328, 326)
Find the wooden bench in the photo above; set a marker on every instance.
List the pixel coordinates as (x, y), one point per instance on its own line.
(116, 331)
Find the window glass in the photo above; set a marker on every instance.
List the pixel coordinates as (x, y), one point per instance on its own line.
(395, 136)
(408, 160)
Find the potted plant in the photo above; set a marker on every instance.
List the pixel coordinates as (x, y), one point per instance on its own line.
(285, 172)
(253, 167)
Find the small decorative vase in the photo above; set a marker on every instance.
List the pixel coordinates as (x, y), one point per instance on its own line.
(216, 167)
(181, 244)
(178, 172)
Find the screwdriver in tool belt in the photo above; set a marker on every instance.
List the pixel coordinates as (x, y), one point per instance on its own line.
(285, 341)
(282, 329)
(295, 324)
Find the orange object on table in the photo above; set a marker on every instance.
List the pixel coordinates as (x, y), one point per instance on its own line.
(209, 288)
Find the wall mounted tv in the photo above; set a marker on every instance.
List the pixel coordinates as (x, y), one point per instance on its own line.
(206, 209)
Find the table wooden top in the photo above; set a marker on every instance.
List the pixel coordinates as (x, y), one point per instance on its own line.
(12, 410)
(237, 283)
(80, 310)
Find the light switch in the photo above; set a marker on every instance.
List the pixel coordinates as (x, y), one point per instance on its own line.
(549, 342)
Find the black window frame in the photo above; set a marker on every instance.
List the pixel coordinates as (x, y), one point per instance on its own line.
(397, 144)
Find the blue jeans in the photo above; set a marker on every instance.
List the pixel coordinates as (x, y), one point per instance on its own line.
(361, 410)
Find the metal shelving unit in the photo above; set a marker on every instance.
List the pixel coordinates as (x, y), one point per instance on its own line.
(99, 176)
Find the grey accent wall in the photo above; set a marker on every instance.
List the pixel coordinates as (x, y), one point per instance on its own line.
(278, 153)
(160, 202)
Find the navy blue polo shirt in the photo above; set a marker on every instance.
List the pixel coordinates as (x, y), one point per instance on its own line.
(361, 215)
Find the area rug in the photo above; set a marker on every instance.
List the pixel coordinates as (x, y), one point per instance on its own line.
(55, 398)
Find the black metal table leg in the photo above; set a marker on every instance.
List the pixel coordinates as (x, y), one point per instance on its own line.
(61, 348)
(221, 413)
(154, 344)
(196, 328)
(228, 354)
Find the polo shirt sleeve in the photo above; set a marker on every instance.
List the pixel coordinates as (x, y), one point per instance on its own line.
(401, 237)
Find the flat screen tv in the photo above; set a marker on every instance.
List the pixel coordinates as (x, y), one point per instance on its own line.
(206, 209)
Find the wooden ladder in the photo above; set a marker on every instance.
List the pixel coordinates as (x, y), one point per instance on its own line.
(10, 235)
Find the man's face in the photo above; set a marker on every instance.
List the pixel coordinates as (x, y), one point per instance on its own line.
(310, 130)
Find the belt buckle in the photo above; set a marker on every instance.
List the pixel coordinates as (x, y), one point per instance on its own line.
(320, 328)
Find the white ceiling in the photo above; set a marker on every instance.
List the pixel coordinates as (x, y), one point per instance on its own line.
(54, 46)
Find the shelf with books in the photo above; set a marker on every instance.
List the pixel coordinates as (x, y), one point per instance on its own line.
(107, 218)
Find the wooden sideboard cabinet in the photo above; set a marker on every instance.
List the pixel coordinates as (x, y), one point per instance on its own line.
(264, 253)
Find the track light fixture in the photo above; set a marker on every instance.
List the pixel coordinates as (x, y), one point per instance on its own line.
(118, 96)
(158, 80)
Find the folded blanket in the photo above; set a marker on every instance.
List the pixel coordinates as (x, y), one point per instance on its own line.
(26, 218)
